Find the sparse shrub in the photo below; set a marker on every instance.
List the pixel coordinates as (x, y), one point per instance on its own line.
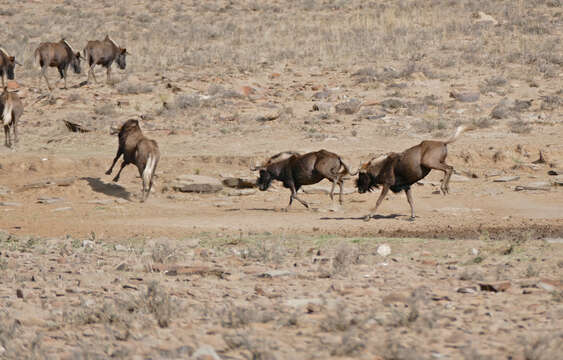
(128, 88)
(186, 101)
(105, 110)
(520, 127)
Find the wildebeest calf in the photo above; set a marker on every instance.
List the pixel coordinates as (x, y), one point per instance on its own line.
(60, 55)
(7, 64)
(11, 108)
(306, 169)
(398, 172)
(104, 53)
(138, 150)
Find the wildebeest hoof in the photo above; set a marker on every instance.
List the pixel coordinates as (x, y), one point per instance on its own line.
(108, 172)
(411, 218)
(115, 179)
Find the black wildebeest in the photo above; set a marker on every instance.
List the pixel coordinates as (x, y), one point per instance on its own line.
(398, 172)
(11, 108)
(60, 55)
(138, 150)
(104, 53)
(306, 169)
(7, 64)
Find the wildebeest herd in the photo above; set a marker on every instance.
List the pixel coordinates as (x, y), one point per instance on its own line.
(392, 171)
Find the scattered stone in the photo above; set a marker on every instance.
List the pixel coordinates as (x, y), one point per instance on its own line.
(275, 274)
(122, 267)
(206, 352)
(101, 202)
(10, 203)
(325, 94)
(19, 293)
(465, 97)
(322, 106)
(539, 185)
(88, 244)
(127, 286)
(558, 181)
(495, 287)
(120, 247)
(493, 173)
(501, 110)
(62, 209)
(269, 116)
(467, 290)
(73, 127)
(48, 182)
(173, 270)
(507, 178)
(349, 107)
(549, 285)
(304, 302)
(197, 184)
(384, 250)
(474, 251)
(239, 183)
(555, 172)
(554, 240)
(393, 104)
(242, 192)
(48, 200)
(484, 18)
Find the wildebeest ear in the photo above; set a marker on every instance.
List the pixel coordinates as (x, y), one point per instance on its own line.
(78, 54)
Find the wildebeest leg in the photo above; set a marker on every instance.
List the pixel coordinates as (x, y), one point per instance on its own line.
(116, 178)
(93, 74)
(15, 125)
(409, 199)
(109, 74)
(62, 71)
(294, 196)
(44, 74)
(119, 152)
(7, 135)
(447, 169)
(378, 202)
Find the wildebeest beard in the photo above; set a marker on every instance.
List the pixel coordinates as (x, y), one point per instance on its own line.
(264, 180)
(121, 60)
(365, 183)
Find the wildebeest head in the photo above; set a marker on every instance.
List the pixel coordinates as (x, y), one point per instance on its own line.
(369, 172)
(9, 63)
(264, 180)
(120, 60)
(129, 126)
(75, 62)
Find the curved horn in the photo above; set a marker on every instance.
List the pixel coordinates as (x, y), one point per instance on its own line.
(256, 167)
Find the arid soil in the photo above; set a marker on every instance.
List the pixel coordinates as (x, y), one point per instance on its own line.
(87, 271)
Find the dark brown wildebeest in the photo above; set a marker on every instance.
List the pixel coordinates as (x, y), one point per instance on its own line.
(104, 53)
(11, 108)
(60, 55)
(138, 150)
(306, 169)
(398, 172)
(7, 64)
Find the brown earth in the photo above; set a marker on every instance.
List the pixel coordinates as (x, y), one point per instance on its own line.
(216, 105)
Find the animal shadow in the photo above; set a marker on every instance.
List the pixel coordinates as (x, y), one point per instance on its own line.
(375, 217)
(109, 189)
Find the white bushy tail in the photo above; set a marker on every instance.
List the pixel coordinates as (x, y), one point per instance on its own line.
(7, 113)
(148, 172)
(458, 132)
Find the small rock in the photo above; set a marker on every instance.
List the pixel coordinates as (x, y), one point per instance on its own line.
(465, 97)
(325, 94)
(87, 244)
(474, 251)
(507, 178)
(554, 240)
(275, 274)
(393, 104)
(349, 107)
(205, 352)
(120, 247)
(10, 203)
(239, 183)
(555, 172)
(62, 209)
(539, 185)
(322, 106)
(384, 250)
(482, 17)
(197, 184)
(122, 267)
(558, 181)
(495, 287)
(501, 110)
(549, 285)
(48, 200)
(242, 192)
(19, 293)
(467, 290)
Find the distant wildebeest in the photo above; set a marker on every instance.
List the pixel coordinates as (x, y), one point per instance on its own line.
(7, 65)
(11, 108)
(60, 55)
(104, 53)
(138, 150)
(306, 169)
(399, 171)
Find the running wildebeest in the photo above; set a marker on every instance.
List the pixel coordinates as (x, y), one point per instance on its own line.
(104, 53)
(397, 172)
(7, 65)
(11, 108)
(306, 169)
(138, 150)
(60, 55)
